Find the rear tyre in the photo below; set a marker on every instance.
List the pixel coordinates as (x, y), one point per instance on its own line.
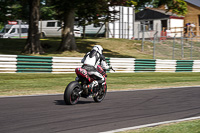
(71, 94)
(101, 94)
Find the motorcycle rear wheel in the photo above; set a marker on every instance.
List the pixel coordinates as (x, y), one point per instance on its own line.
(71, 94)
(101, 95)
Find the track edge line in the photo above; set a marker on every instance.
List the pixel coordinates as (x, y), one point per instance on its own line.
(151, 125)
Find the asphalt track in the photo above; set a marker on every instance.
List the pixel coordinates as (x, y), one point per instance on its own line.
(49, 114)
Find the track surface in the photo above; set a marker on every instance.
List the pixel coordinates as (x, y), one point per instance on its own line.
(49, 114)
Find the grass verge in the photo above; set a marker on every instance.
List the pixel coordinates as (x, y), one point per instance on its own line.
(27, 84)
(182, 127)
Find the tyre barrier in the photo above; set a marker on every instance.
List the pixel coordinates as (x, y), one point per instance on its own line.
(40, 64)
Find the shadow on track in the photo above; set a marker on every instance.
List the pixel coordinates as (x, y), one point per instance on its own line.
(62, 102)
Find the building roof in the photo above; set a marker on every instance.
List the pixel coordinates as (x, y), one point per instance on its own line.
(194, 2)
(153, 13)
(163, 11)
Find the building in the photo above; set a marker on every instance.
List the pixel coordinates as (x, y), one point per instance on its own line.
(193, 14)
(123, 24)
(151, 20)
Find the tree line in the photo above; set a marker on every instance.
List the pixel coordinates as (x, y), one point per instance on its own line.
(87, 12)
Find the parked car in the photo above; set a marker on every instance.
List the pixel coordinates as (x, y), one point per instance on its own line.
(49, 28)
(52, 28)
(13, 31)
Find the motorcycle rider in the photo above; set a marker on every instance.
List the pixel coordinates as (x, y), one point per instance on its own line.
(90, 62)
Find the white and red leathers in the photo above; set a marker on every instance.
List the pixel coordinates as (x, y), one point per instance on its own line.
(90, 62)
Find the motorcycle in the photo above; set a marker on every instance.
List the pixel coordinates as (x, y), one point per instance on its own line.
(80, 87)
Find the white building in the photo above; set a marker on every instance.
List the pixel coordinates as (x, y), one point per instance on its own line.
(123, 26)
(154, 20)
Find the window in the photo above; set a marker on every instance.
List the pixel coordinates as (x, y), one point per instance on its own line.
(148, 25)
(13, 30)
(51, 24)
(4, 30)
(59, 24)
(97, 25)
(24, 30)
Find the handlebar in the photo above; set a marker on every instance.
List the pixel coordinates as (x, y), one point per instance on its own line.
(112, 69)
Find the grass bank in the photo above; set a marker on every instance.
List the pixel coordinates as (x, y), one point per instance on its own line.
(122, 48)
(27, 84)
(182, 127)
(112, 47)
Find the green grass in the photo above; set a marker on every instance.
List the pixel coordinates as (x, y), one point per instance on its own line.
(122, 48)
(182, 127)
(112, 47)
(26, 84)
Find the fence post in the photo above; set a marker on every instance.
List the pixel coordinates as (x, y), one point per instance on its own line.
(138, 31)
(191, 48)
(173, 46)
(182, 48)
(154, 44)
(143, 29)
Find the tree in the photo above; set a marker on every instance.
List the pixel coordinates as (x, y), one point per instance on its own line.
(175, 6)
(93, 13)
(22, 11)
(90, 11)
(87, 15)
(6, 10)
(66, 11)
(33, 45)
(47, 10)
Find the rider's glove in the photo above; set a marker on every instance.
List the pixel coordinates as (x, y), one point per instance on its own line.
(110, 67)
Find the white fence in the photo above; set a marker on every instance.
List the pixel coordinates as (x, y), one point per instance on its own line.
(38, 64)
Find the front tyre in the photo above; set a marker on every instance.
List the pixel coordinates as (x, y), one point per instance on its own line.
(101, 94)
(71, 94)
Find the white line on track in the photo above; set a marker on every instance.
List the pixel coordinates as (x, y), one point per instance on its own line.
(150, 125)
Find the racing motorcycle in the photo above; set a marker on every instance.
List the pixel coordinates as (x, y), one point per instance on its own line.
(80, 87)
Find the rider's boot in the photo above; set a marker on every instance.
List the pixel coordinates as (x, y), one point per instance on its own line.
(103, 86)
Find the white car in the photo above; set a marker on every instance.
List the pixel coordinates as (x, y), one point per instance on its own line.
(50, 28)
(13, 31)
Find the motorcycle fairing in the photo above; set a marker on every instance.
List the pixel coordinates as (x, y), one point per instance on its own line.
(82, 72)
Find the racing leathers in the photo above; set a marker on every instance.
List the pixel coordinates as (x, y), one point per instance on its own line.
(90, 62)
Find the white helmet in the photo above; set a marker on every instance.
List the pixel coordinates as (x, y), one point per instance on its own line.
(98, 48)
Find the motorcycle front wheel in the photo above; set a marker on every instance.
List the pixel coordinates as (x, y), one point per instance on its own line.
(71, 94)
(101, 95)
